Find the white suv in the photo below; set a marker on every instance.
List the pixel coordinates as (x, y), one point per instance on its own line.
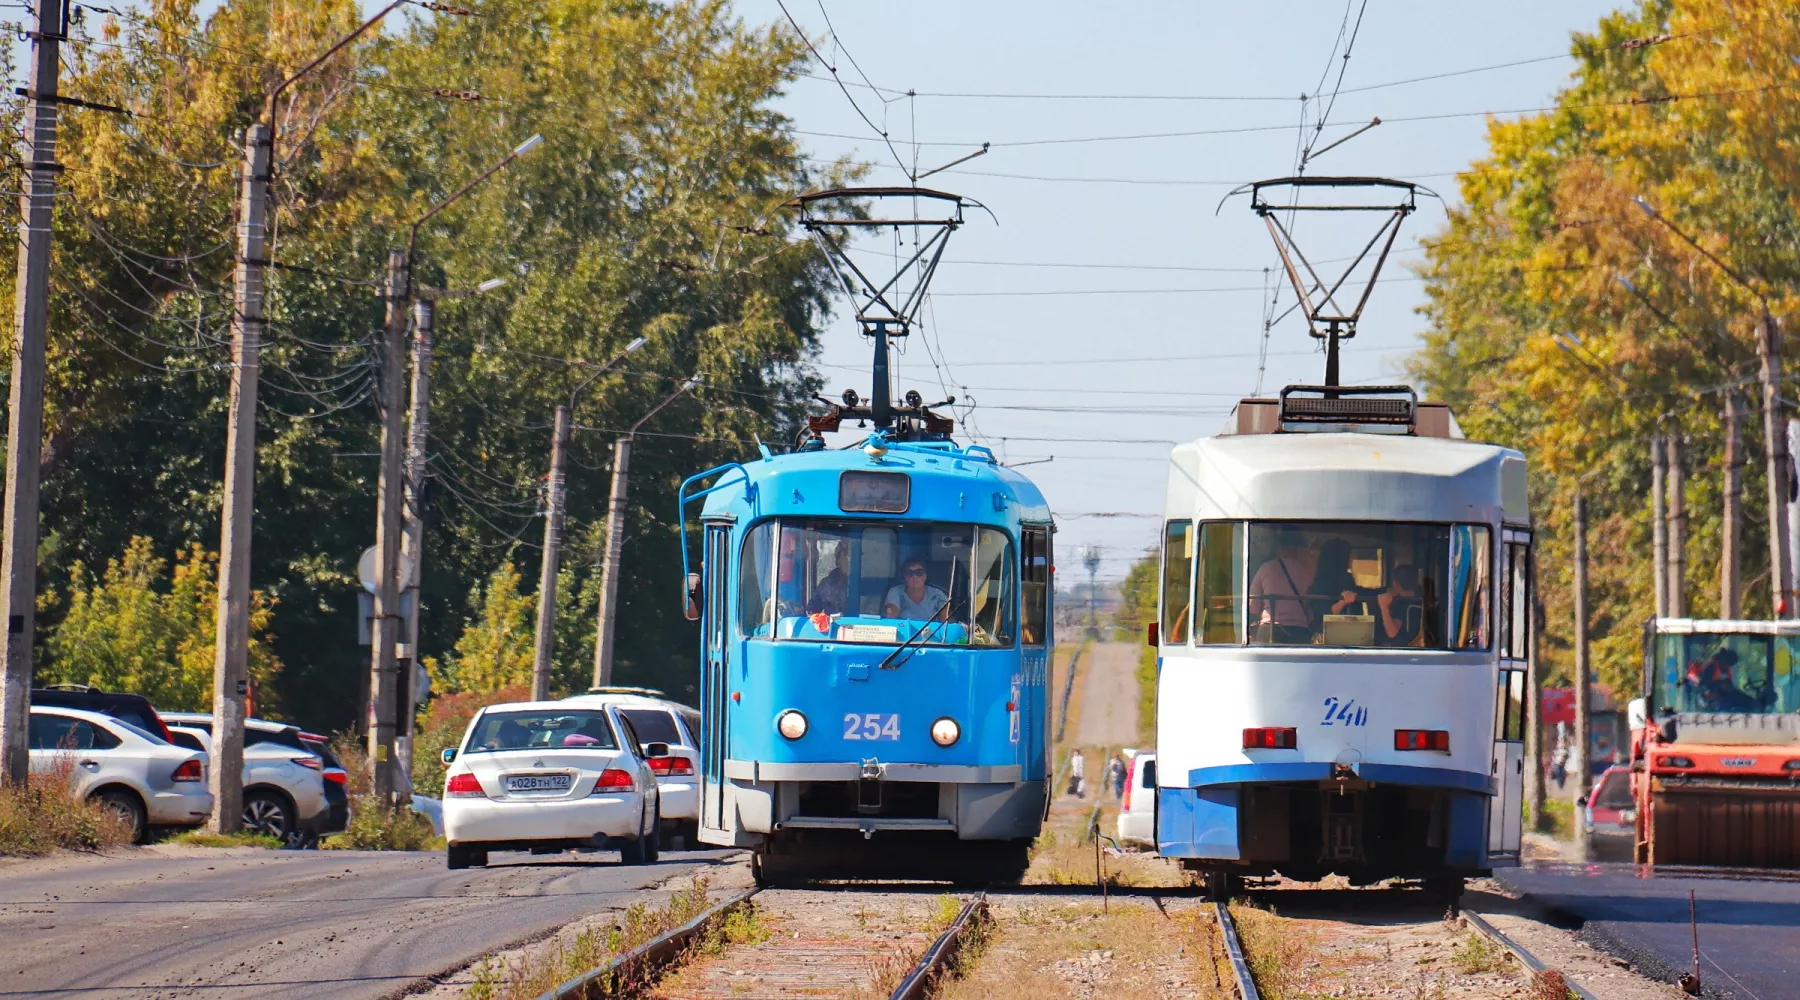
(137, 775)
(284, 780)
(656, 719)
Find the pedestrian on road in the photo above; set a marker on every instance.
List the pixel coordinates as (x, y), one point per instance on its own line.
(1077, 774)
(1115, 775)
(1559, 758)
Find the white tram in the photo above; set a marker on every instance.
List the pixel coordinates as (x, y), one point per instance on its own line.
(1342, 640)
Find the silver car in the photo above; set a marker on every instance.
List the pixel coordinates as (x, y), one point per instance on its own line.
(143, 779)
(284, 781)
(655, 718)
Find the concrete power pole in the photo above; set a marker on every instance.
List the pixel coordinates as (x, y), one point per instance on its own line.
(556, 502)
(25, 429)
(1793, 511)
(1090, 557)
(388, 522)
(1578, 754)
(1659, 528)
(1780, 484)
(1730, 584)
(609, 570)
(231, 654)
(412, 538)
(1677, 567)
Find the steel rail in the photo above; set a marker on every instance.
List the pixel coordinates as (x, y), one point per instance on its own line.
(1518, 951)
(1240, 966)
(634, 966)
(934, 965)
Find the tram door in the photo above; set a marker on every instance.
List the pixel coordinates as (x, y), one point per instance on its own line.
(715, 633)
(1506, 821)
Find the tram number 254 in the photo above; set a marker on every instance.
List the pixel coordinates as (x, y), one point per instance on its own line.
(872, 726)
(1344, 712)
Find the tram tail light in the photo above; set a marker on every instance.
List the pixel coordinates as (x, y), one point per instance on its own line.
(1422, 739)
(1271, 738)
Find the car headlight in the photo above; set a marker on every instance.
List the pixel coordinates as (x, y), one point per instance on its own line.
(945, 731)
(791, 724)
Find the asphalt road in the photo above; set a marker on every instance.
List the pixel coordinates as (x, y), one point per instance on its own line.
(1749, 927)
(1109, 700)
(189, 922)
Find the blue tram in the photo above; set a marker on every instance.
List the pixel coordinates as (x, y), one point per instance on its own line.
(875, 621)
(875, 631)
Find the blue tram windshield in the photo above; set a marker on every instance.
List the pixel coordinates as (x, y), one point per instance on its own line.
(878, 581)
(1738, 673)
(1345, 584)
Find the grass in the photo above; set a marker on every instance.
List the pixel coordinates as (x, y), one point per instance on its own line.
(1281, 952)
(1053, 951)
(565, 959)
(377, 826)
(1146, 681)
(43, 815)
(242, 838)
(1475, 954)
(1558, 818)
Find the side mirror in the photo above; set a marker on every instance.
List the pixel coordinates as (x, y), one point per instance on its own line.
(694, 595)
(449, 754)
(1150, 774)
(1151, 638)
(654, 750)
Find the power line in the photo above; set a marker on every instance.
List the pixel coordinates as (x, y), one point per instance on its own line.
(834, 75)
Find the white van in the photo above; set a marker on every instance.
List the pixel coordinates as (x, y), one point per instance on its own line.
(1137, 807)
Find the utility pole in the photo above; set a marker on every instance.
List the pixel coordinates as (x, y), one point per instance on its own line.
(412, 538)
(388, 510)
(1677, 567)
(611, 569)
(1659, 528)
(25, 428)
(231, 654)
(556, 503)
(1780, 485)
(1730, 585)
(1578, 754)
(1090, 557)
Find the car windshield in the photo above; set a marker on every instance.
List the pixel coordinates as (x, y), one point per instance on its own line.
(564, 729)
(1328, 583)
(653, 725)
(1735, 673)
(939, 583)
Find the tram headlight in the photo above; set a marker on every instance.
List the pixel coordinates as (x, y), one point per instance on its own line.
(945, 731)
(791, 724)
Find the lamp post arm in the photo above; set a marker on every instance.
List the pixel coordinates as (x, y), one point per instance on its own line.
(1708, 254)
(629, 350)
(412, 238)
(275, 95)
(677, 394)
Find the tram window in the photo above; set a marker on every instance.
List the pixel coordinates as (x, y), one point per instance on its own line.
(1034, 595)
(1510, 726)
(1220, 588)
(1177, 582)
(1471, 586)
(993, 612)
(756, 604)
(1515, 602)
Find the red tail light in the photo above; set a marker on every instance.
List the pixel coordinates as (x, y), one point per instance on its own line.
(1422, 739)
(666, 767)
(1271, 738)
(463, 784)
(311, 763)
(315, 738)
(1130, 779)
(337, 776)
(190, 770)
(613, 779)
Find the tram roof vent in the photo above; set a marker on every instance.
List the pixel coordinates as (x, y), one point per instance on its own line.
(1371, 409)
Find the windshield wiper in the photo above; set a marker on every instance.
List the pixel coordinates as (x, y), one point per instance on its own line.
(920, 631)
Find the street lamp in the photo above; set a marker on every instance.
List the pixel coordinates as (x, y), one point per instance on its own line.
(385, 724)
(615, 540)
(544, 644)
(1775, 432)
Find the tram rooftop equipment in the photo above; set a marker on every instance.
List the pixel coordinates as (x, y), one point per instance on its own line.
(875, 624)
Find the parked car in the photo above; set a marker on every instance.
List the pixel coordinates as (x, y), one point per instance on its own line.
(546, 776)
(337, 784)
(657, 719)
(284, 782)
(143, 778)
(1137, 807)
(133, 708)
(1609, 816)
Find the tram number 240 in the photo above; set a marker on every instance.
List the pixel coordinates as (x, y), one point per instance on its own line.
(1344, 712)
(872, 726)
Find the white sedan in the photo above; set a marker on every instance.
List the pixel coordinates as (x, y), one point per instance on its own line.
(136, 774)
(546, 776)
(654, 718)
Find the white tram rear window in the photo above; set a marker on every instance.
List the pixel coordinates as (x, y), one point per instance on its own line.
(1344, 584)
(885, 582)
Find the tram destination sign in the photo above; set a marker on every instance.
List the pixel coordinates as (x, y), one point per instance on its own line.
(875, 492)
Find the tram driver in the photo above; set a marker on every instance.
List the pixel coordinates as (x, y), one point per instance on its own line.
(913, 598)
(1279, 586)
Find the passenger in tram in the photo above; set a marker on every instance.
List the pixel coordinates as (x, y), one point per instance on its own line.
(913, 598)
(832, 595)
(1334, 587)
(1401, 607)
(1278, 589)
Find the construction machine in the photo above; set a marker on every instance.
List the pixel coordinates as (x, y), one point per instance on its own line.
(1716, 744)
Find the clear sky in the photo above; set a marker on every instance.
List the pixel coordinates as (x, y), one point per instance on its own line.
(1100, 272)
